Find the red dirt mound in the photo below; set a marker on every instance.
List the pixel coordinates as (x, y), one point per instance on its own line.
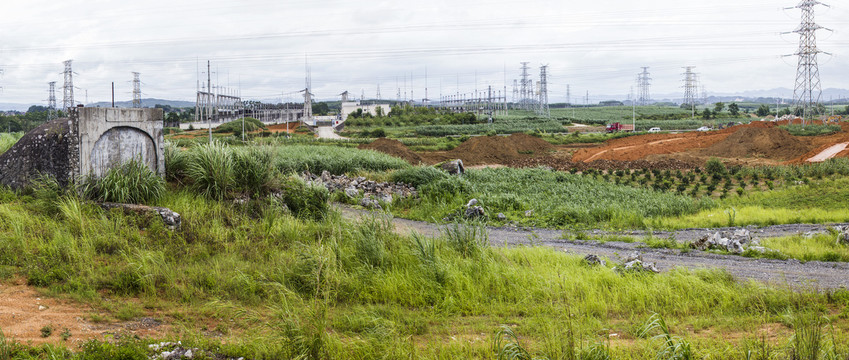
(394, 148)
(498, 149)
(284, 127)
(769, 143)
(639, 146)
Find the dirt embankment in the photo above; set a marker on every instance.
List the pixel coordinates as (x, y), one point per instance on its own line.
(639, 146)
(752, 144)
(479, 150)
(768, 143)
(394, 148)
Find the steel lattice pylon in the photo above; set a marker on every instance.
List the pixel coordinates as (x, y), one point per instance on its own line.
(808, 90)
(51, 101)
(68, 90)
(543, 92)
(136, 90)
(644, 82)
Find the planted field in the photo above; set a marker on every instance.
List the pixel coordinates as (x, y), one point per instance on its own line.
(554, 199)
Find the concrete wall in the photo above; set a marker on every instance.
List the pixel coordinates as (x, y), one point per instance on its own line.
(89, 142)
(111, 136)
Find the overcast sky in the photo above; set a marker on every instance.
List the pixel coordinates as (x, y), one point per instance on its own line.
(261, 46)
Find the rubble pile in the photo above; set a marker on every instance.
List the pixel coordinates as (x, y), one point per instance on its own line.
(634, 263)
(735, 242)
(373, 192)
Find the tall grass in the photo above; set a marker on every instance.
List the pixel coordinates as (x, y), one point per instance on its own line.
(211, 169)
(131, 182)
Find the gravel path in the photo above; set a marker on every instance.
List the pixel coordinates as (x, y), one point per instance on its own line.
(812, 274)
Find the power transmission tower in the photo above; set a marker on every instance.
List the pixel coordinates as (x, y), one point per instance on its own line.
(1, 75)
(526, 88)
(378, 91)
(515, 93)
(308, 94)
(51, 101)
(136, 91)
(690, 88)
(807, 92)
(543, 91)
(644, 82)
(68, 90)
(568, 95)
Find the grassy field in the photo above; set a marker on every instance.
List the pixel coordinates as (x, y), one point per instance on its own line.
(262, 259)
(296, 287)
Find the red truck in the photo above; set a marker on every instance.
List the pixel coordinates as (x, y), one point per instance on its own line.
(616, 127)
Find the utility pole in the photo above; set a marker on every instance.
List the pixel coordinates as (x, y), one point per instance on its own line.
(136, 90)
(51, 101)
(633, 109)
(807, 91)
(68, 88)
(209, 99)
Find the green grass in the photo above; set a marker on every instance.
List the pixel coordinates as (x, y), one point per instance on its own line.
(811, 130)
(9, 139)
(822, 247)
(557, 199)
(355, 289)
(819, 201)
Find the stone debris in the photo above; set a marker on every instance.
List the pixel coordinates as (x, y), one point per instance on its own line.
(529, 213)
(634, 263)
(453, 167)
(473, 210)
(170, 218)
(842, 234)
(735, 242)
(176, 351)
(373, 192)
(593, 260)
(501, 217)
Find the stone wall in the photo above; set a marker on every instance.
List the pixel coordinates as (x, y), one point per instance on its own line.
(89, 142)
(51, 149)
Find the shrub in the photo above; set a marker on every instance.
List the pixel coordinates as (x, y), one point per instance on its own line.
(211, 169)
(235, 126)
(306, 200)
(418, 176)
(715, 167)
(132, 182)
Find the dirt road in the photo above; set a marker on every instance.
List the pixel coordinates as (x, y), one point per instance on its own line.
(829, 153)
(820, 275)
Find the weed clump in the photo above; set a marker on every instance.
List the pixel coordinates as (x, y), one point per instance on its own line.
(211, 169)
(419, 175)
(307, 201)
(131, 182)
